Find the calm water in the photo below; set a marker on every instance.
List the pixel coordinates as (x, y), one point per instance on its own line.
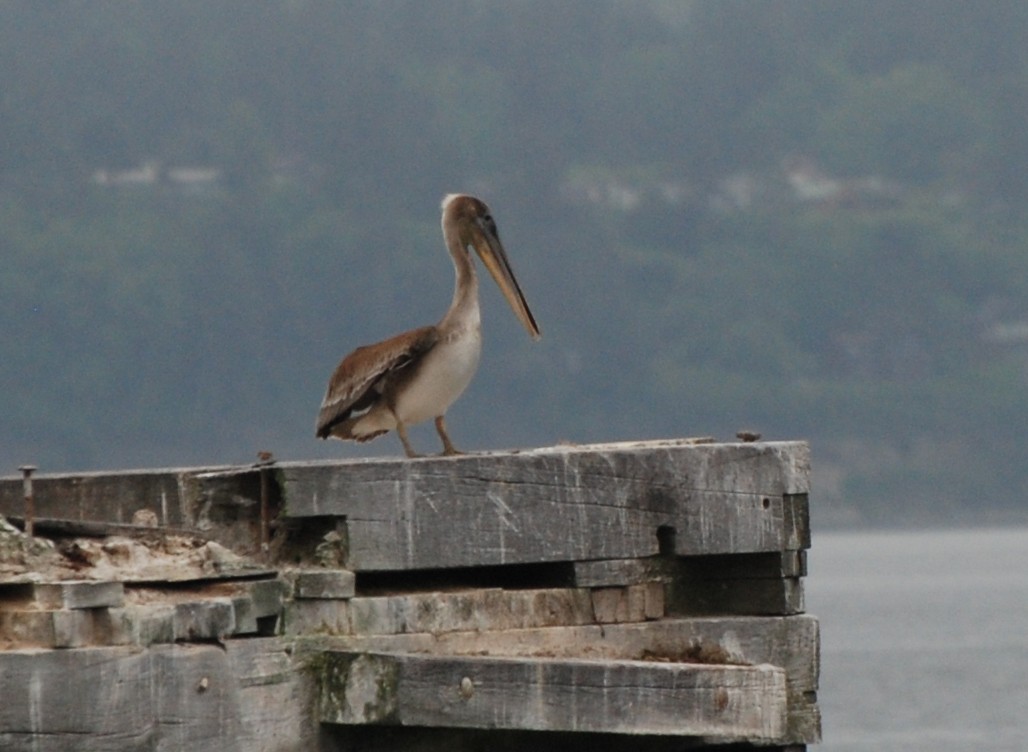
(924, 640)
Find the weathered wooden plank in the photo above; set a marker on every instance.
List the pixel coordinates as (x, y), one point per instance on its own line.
(250, 695)
(767, 583)
(212, 607)
(195, 699)
(93, 529)
(487, 609)
(625, 604)
(791, 642)
(154, 621)
(721, 528)
(323, 583)
(771, 468)
(207, 619)
(788, 641)
(95, 699)
(619, 572)
(267, 596)
(79, 594)
(276, 697)
(561, 504)
(144, 625)
(555, 504)
(622, 572)
(622, 697)
(20, 628)
(747, 523)
(104, 496)
(221, 502)
(54, 700)
(796, 509)
(317, 617)
(61, 628)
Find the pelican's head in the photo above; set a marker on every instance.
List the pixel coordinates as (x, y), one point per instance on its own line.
(472, 222)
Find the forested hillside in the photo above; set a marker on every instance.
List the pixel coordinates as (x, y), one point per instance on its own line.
(799, 218)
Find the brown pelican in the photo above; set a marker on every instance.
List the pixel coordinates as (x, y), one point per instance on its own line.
(417, 375)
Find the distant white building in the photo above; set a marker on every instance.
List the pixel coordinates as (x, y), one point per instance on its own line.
(149, 173)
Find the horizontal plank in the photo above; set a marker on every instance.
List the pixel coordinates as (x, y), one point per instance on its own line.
(87, 617)
(562, 504)
(94, 529)
(440, 612)
(500, 609)
(567, 503)
(323, 584)
(111, 496)
(51, 629)
(317, 617)
(117, 698)
(623, 697)
(790, 642)
(220, 503)
(79, 594)
(249, 694)
(487, 609)
(620, 572)
(276, 701)
(626, 604)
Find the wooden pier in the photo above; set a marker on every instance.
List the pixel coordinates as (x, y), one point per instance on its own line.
(609, 597)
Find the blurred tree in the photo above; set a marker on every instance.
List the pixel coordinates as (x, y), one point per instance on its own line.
(915, 123)
(150, 324)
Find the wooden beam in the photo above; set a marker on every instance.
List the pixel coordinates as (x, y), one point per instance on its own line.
(558, 504)
(563, 503)
(218, 503)
(525, 593)
(620, 572)
(790, 642)
(79, 594)
(323, 584)
(622, 697)
(479, 609)
(117, 698)
(111, 497)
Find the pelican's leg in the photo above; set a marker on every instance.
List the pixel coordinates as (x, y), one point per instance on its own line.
(448, 447)
(401, 431)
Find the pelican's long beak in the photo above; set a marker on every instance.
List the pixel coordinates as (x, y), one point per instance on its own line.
(490, 250)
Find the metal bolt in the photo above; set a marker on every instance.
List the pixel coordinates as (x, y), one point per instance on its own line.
(30, 501)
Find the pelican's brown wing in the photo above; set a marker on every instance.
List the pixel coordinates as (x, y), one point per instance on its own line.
(359, 381)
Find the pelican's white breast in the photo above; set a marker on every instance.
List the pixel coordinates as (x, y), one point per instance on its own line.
(443, 376)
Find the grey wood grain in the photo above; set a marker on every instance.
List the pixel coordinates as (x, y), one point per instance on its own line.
(567, 504)
(623, 697)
